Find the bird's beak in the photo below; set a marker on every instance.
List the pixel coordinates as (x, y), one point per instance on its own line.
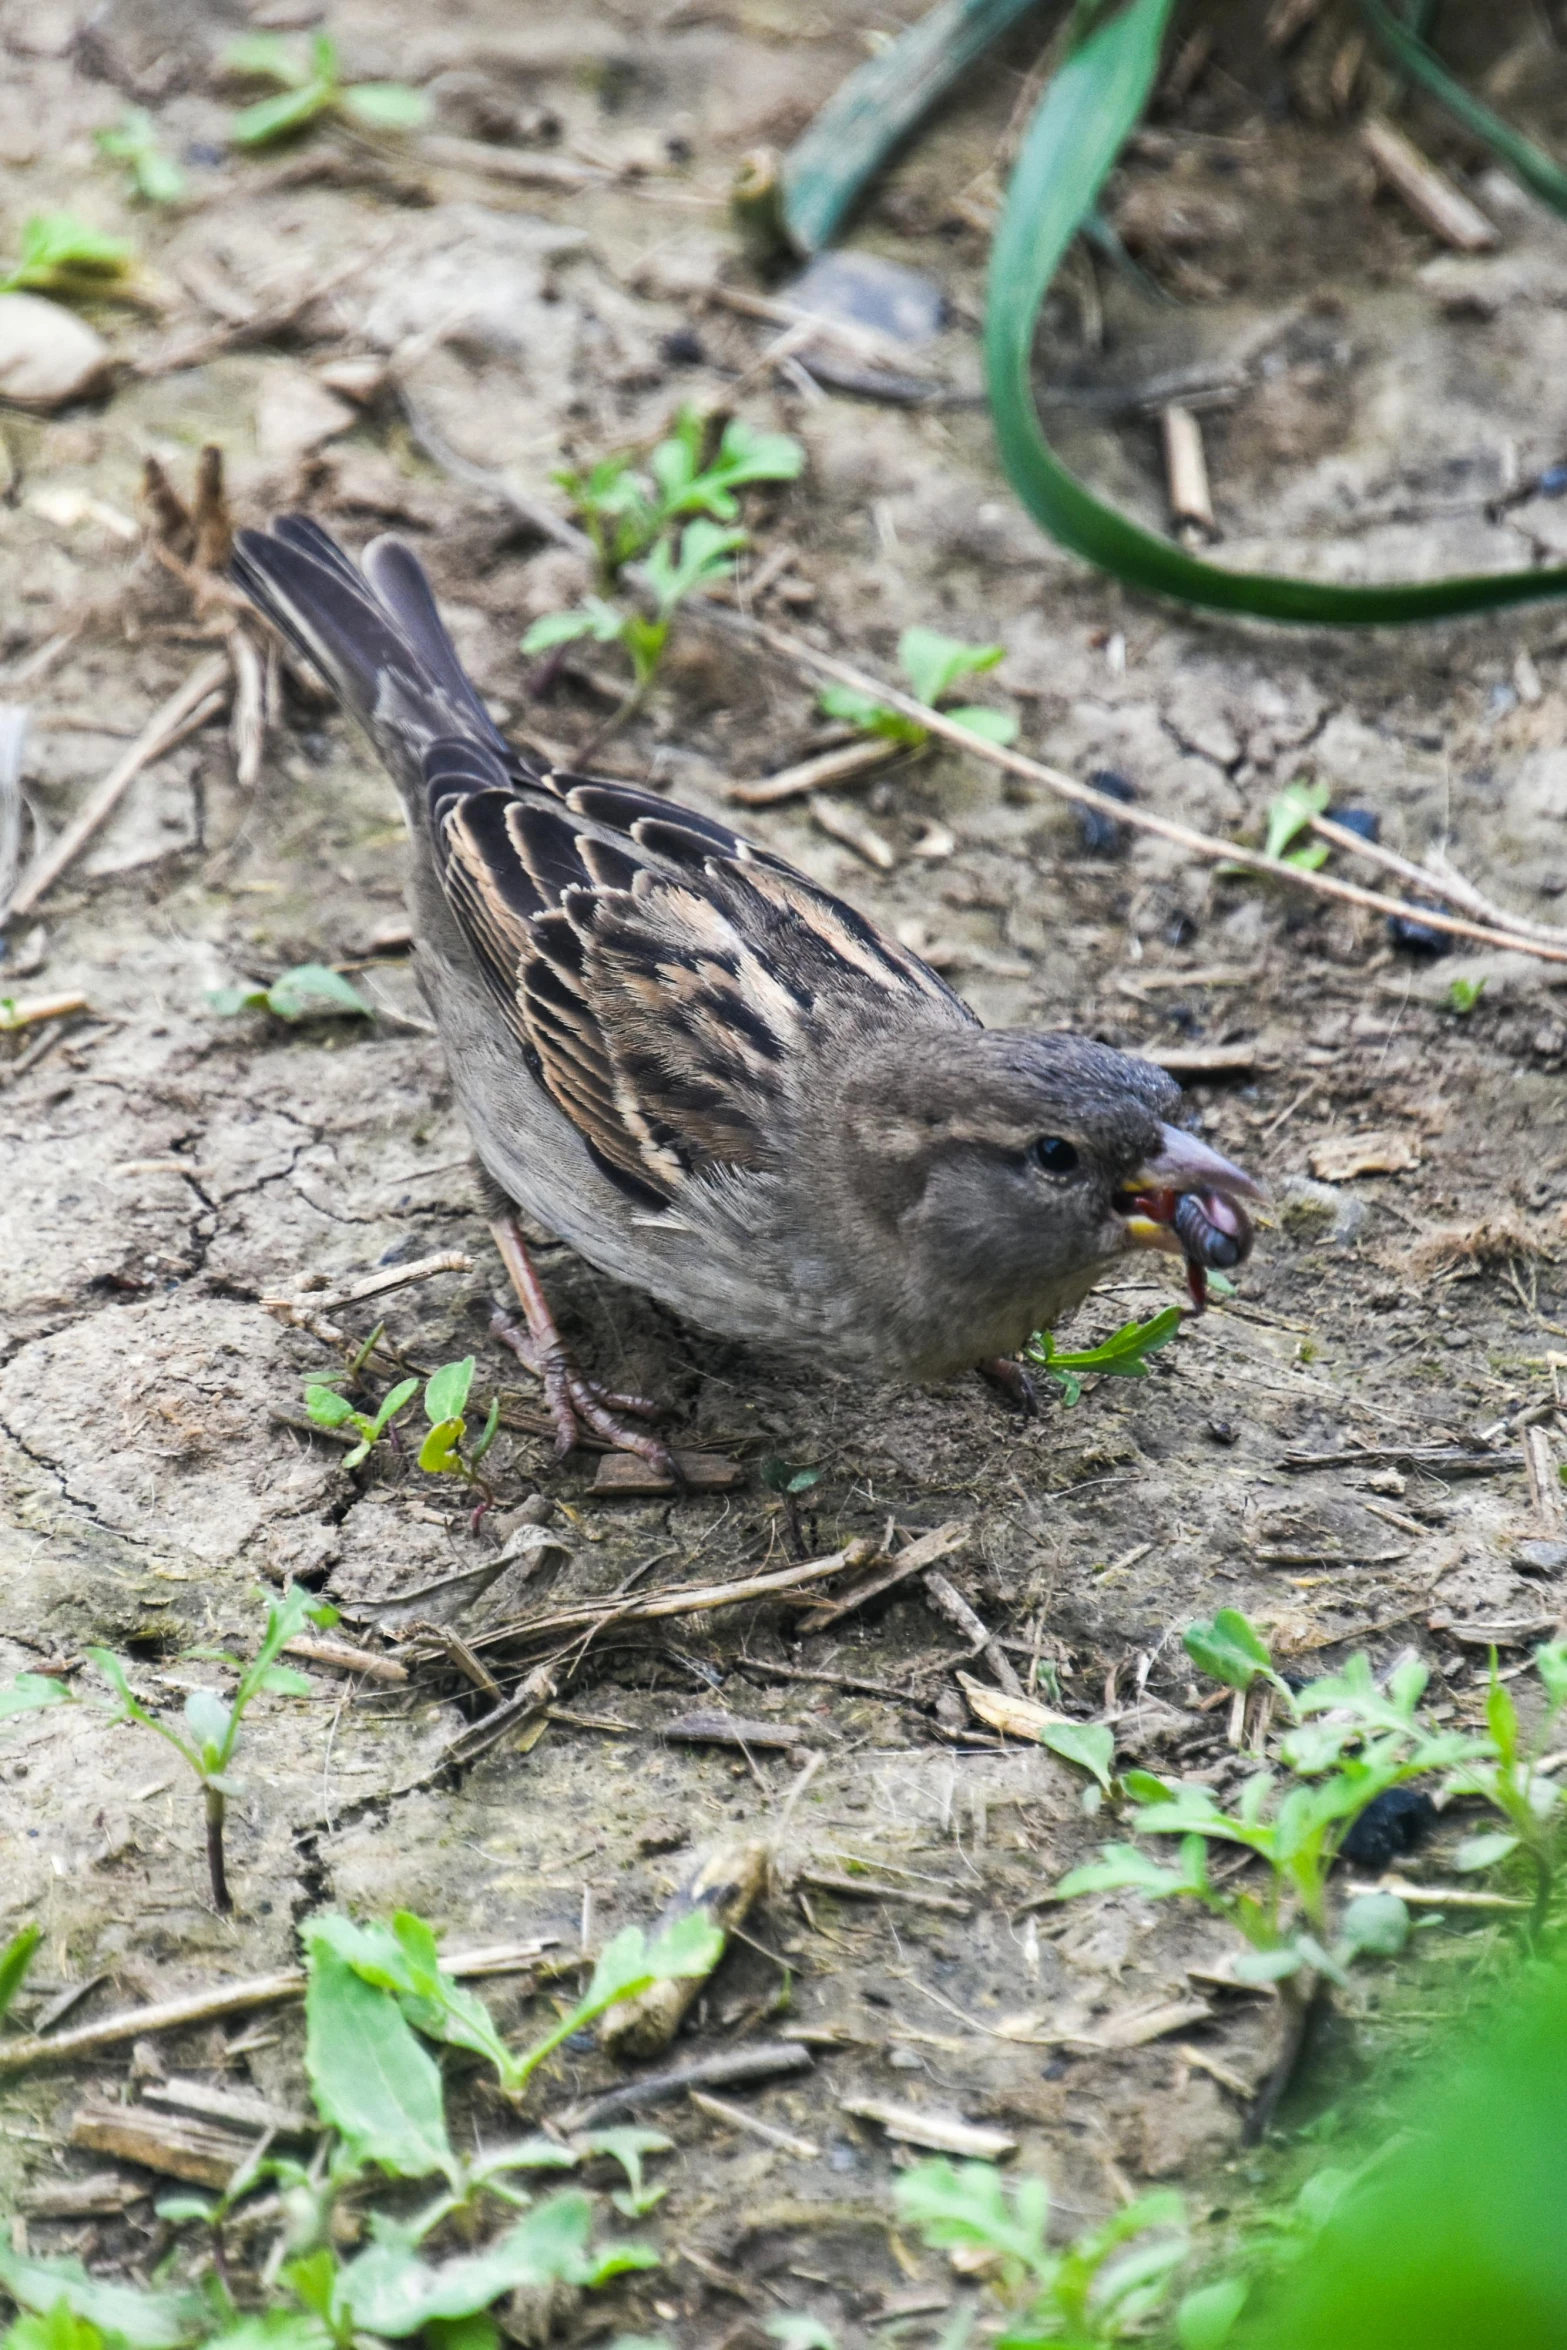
(1214, 1229)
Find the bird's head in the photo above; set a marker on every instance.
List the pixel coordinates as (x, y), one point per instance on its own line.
(1024, 1164)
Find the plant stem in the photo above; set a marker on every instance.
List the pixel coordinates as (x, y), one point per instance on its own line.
(215, 1868)
(1303, 2009)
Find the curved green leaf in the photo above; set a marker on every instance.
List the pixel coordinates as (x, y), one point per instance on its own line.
(447, 1391)
(276, 118)
(372, 2080)
(385, 106)
(1086, 114)
(1528, 163)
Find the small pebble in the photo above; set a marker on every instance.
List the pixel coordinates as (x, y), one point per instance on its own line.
(1552, 483)
(1418, 938)
(1100, 834)
(1540, 1558)
(1222, 1431)
(683, 348)
(1364, 821)
(1391, 1825)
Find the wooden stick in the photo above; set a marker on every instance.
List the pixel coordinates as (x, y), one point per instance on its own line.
(1429, 193)
(204, 2007)
(197, 700)
(27, 1011)
(719, 2110)
(1545, 1486)
(792, 783)
(1186, 469)
(689, 1599)
(1066, 787)
(1443, 879)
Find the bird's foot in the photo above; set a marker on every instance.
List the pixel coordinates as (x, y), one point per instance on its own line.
(1014, 1382)
(578, 1406)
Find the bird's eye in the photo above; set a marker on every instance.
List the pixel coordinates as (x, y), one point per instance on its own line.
(1055, 1156)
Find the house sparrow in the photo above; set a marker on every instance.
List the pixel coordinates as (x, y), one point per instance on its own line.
(715, 1080)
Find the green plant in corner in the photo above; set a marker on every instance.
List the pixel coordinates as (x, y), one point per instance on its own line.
(15, 1959)
(212, 1723)
(312, 86)
(935, 666)
(155, 176)
(1511, 1779)
(1102, 2288)
(63, 255)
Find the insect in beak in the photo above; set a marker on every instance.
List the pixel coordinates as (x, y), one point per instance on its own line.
(1187, 1202)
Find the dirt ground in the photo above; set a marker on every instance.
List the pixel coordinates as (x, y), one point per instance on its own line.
(166, 1168)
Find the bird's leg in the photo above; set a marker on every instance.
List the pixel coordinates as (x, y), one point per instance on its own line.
(574, 1403)
(1014, 1382)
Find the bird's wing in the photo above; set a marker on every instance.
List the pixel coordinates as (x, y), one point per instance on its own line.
(670, 984)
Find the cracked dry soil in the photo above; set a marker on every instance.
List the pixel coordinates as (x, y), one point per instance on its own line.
(165, 1168)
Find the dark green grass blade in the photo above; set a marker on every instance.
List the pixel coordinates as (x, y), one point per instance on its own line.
(869, 114)
(1086, 114)
(1528, 163)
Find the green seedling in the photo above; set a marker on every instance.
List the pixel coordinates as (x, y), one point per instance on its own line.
(380, 2101)
(133, 141)
(445, 1401)
(789, 1484)
(63, 255)
(328, 1409)
(677, 516)
(1511, 1779)
(934, 666)
(15, 1959)
(1463, 995)
(402, 1959)
(1123, 1355)
(313, 87)
(310, 991)
(212, 1725)
(1103, 2288)
(1290, 815)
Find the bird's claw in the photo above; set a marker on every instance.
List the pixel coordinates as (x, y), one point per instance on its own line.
(1014, 1382)
(578, 1405)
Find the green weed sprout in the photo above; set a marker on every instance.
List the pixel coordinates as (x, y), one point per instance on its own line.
(134, 141)
(445, 1401)
(934, 666)
(1511, 1780)
(63, 255)
(678, 516)
(1366, 1742)
(1463, 995)
(312, 86)
(1103, 2288)
(310, 991)
(1123, 1355)
(212, 1725)
(15, 1959)
(328, 1409)
(1288, 816)
(378, 2091)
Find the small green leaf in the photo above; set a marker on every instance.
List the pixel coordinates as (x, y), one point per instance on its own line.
(402, 1395)
(312, 990)
(279, 117)
(385, 106)
(61, 253)
(446, 1393)
(1122, 1867)
(327, 1408)
(564, 628)
(486, 1436)
(992, 726)
(1377, 1923)
(30, 1693)
(237, 999)
(1267, 1966)
(856, 709)
(1485, 1850)
(209, 1720)
(1291, 812)
(1229, 1650)
(438, 1455)
(177, 2209)
(389, 2291)
(15, 1960)
(372, 2080)
(1205, 2319)
(143, 2320)
(933, 663)
(1091, 1745)
(284, 1681)
(269, 56)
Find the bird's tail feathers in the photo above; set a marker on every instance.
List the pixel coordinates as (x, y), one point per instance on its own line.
(375, 636)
